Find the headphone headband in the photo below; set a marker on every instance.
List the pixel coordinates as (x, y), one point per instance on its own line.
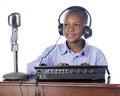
(77, 8)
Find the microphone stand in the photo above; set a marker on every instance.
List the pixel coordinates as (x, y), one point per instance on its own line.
(16, 76)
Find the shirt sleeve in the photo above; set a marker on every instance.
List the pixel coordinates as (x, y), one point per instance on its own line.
(101, 59)
(43, 58)
(30, 68)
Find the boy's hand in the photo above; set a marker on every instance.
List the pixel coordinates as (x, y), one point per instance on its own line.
(62, 64)
(84, 64)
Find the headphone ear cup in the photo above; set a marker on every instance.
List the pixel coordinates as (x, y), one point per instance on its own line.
(87, 32)
(60, 29)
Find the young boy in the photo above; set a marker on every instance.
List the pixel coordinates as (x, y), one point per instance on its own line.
(75, 50)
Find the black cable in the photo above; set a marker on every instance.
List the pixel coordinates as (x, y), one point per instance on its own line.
(37, 90)
(21, 88)
(108, 71)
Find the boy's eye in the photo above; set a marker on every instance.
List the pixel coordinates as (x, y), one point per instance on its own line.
(66, 25)
(77, 25)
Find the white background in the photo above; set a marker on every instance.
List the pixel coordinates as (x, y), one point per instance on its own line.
(39, 29)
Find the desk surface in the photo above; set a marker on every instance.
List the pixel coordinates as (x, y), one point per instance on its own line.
(25, 83)
(58, 89)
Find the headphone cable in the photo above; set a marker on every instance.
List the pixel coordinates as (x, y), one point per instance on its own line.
(49, 52)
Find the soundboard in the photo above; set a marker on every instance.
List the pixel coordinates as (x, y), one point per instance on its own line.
(70, 73)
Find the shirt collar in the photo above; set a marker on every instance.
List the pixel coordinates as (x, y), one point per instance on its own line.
(84, 51)
(65, 49)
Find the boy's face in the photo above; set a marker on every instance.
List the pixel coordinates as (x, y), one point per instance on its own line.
(73, 26)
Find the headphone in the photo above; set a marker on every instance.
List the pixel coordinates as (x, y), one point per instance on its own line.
(87, 30)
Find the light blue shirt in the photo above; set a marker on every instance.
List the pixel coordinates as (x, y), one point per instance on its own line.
(60, 53)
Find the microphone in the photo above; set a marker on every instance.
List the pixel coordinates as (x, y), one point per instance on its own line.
(14, 20)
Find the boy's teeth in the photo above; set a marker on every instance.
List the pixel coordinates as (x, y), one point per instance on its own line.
(70, 35)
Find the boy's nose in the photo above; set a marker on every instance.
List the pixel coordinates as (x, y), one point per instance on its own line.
(71, 28)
